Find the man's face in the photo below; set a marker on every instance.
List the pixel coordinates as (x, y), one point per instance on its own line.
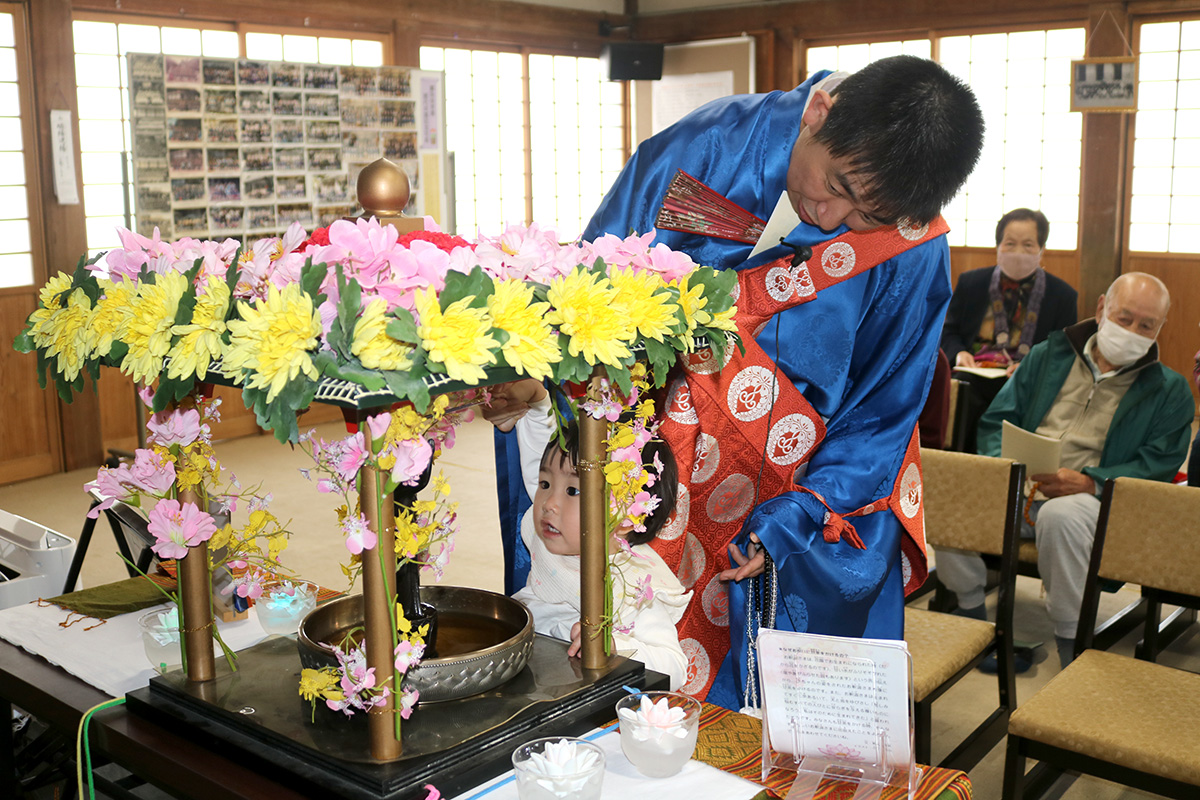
(822, 189)
(1137, 307)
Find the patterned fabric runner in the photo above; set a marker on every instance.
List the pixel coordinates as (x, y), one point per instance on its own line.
(738, 434)
(732, 742)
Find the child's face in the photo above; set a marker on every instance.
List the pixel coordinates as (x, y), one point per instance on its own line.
(556, 506)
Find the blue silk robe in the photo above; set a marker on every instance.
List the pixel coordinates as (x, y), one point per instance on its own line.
(862, 353)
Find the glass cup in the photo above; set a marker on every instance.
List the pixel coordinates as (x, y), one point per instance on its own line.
(658, 731)
(558, 768)
(160, 639)
(283, 604)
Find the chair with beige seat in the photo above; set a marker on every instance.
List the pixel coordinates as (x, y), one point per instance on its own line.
(1121, 718)
(971, 503)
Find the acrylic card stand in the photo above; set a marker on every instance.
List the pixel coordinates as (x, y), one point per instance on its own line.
(837, 709)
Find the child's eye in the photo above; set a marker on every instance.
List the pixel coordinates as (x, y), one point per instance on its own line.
(543, 484)
(572, 491)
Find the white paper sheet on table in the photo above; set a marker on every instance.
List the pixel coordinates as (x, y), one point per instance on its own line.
(622, 781)
(109, 656)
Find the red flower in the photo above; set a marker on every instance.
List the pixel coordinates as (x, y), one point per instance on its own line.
(443, 241)
(319, 237)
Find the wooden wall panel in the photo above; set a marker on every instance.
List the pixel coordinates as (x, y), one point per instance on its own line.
(1180, 337)
(30, 443)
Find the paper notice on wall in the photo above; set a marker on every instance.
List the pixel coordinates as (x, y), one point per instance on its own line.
(431, 112)
(63, 158)
(676, 95)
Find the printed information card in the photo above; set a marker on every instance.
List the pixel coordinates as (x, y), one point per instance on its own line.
(830, 697)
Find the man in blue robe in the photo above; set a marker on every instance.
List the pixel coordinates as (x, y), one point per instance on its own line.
(892, 143)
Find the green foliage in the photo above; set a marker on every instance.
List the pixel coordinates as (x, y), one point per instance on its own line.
(475, 285)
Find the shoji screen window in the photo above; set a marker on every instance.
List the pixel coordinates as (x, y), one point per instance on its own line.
(314, 49)
(104, 133)
(575, 134)
(16, 241)
(1032, 149)
(853, 57)
(1165, 207)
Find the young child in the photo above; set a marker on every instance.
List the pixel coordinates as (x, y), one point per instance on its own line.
(644, 624)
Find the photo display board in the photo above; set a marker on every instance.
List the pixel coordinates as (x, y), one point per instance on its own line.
(242, 148)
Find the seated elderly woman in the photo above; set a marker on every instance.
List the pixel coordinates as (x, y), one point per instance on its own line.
(998, 313)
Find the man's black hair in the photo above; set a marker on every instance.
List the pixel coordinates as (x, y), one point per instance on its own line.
(665, 487)
(1021, 215)
(910, 130)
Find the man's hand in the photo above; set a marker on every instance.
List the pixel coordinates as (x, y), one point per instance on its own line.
(1064, 482)
(749, 564)
(964, 359)
(511, 401)
(576, 644)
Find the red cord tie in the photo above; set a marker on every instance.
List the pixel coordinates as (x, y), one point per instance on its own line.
(837, 526)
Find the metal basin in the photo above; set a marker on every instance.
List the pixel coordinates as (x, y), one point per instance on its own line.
(484, 639)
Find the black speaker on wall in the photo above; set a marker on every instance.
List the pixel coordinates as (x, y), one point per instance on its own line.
(632, 61)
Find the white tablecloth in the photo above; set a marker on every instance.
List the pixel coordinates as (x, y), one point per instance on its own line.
(623, 782)
(109, 656)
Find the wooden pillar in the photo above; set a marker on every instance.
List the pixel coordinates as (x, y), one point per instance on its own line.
(53, 56)
(406, 45)
(1102, 185)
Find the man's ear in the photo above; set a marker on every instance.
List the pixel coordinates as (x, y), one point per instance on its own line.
(818, 110)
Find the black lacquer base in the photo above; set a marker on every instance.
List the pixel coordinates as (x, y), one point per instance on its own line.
(454, 744)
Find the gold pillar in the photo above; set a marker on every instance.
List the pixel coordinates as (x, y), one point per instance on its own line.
(195, 601)
(593, 546)
(379, 593)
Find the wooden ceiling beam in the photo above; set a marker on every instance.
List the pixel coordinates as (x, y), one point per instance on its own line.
(823, 19)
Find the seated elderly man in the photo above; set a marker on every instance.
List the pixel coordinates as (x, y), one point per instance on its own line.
(1099, 386)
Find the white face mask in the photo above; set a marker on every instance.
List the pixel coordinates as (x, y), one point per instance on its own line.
(1018, 266)
(1120, 346)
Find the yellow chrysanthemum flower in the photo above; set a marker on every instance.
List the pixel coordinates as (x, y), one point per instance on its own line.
(724, 320)
(532, 346)
(648, 307)
(374, 348)
(64, 334)
(582, 308)
(200, 341)
(458, 338)
(147, 330)
(273, 338)
(692, 301)
(110, 313)
(49, 301)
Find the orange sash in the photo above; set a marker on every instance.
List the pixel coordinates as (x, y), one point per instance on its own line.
(738, 435)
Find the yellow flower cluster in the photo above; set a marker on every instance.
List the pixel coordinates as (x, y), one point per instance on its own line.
(423, 525)
(200, 341)
(374, 348)
(583, 308)
(320, 684)
(458, 338)
(147, 329)
(274, 339)
(531, 348)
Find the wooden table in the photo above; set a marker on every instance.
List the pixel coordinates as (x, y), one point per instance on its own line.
(185, 769)
(191, 770)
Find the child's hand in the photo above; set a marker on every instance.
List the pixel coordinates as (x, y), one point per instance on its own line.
(511, 401)
(576, 644)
